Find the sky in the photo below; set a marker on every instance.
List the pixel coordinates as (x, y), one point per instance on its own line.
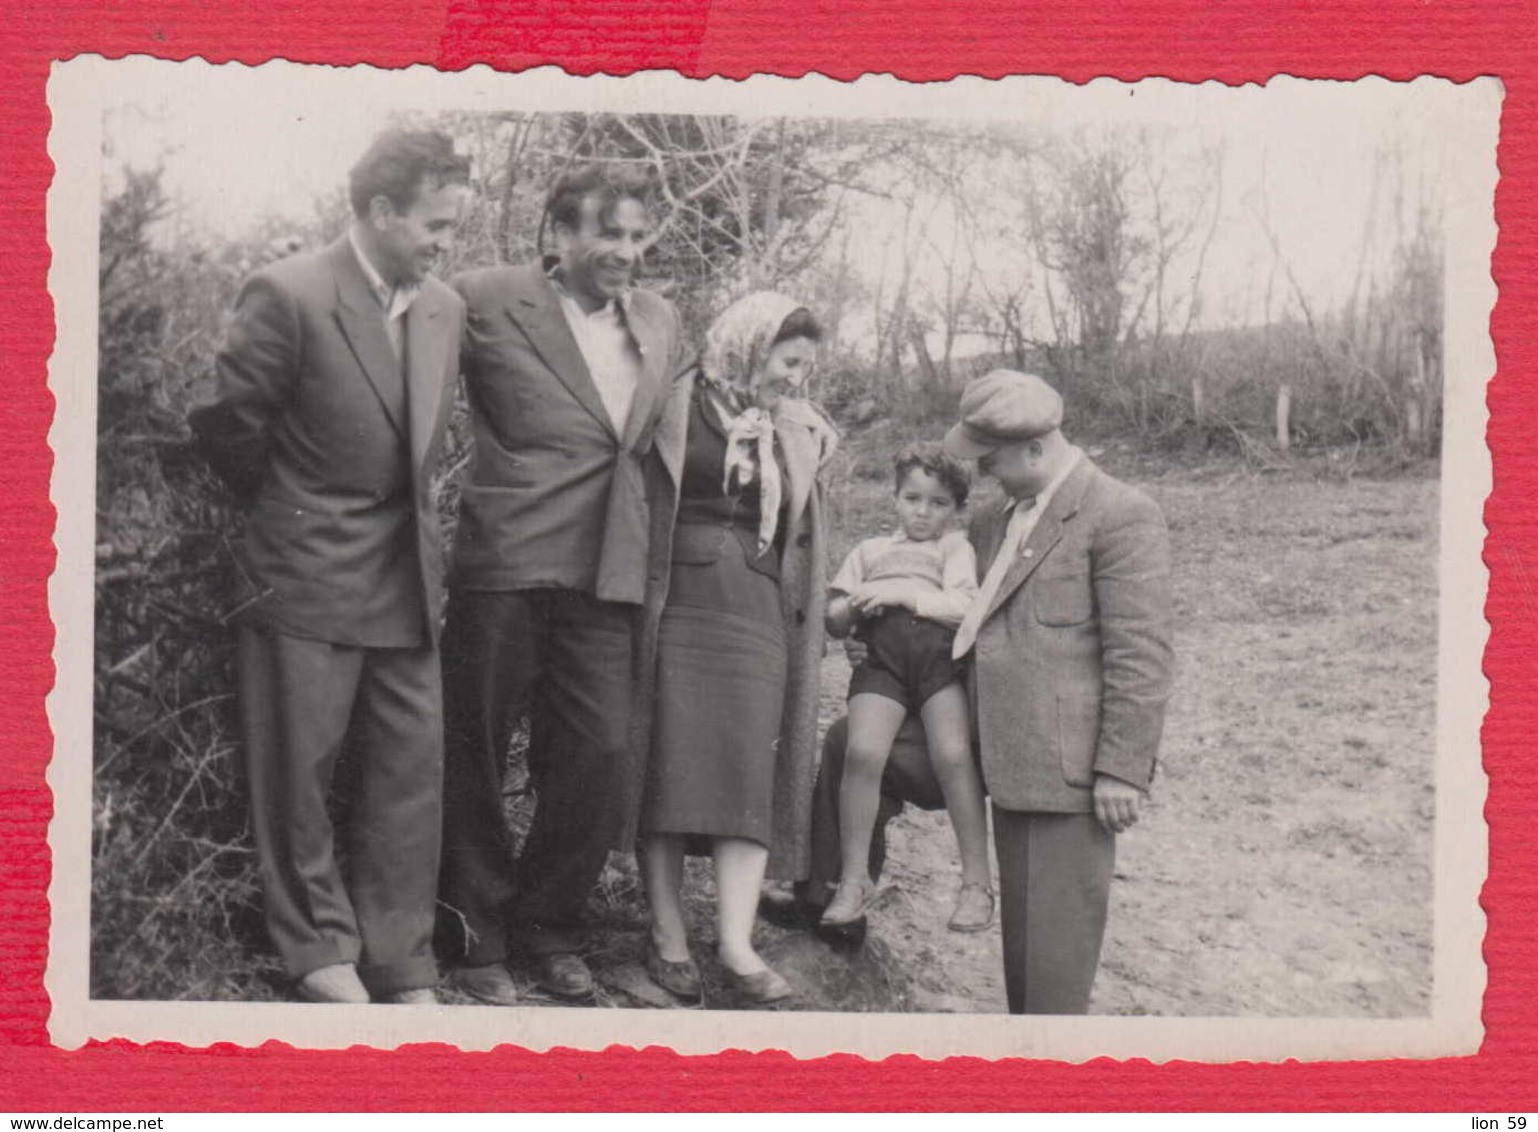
(240, 144)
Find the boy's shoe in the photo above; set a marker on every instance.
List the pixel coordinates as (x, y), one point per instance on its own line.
(849, 902)
(974, 908)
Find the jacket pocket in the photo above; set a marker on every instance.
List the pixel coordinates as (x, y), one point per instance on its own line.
(1062, 600)
(1078, 734)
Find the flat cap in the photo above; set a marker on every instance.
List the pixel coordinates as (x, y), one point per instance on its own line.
(1001, 407)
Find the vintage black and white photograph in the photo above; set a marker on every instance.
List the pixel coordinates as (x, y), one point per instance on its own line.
(987, 568)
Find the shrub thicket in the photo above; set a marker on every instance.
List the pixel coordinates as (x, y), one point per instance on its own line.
(173, 885)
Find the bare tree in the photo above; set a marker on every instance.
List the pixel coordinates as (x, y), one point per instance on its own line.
(1121, 224)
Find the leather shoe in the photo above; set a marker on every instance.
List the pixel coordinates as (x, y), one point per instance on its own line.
(565, 975)
(680, 978)
(416, 996)
(843, 937)
(786, 910)
(489, 983)
(337, 982)
(759, 988)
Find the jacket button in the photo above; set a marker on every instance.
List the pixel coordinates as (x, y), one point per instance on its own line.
(803, 540)
(800, 617)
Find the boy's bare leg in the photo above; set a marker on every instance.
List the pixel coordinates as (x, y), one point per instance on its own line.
(947, 726)
(873, 724)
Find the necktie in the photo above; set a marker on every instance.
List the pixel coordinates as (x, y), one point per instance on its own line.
(1009, 550)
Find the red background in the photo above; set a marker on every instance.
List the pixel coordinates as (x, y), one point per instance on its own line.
(1185, 39)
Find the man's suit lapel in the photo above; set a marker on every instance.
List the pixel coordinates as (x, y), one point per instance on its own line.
(673, 423)
(649, 390)
(362, 322)
(537, 310)
(1045, 535)
(427, 339)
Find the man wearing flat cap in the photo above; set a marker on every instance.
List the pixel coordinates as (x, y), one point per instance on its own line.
(1071, 641)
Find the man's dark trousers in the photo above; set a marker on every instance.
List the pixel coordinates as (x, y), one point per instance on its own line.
(1054, 887)
(303, 702)
(566, 659)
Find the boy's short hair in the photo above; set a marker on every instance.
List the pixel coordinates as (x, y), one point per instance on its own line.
(930, 456)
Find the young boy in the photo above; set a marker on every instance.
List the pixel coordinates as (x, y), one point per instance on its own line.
(904, 594)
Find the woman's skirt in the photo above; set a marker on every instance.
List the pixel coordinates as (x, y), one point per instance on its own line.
(721, 664)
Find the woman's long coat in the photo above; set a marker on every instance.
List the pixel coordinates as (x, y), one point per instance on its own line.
(806, 439)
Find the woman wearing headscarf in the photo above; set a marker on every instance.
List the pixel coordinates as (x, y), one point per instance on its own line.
(739, 637)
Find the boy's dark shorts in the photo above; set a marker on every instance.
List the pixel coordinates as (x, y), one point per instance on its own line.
(909, 659)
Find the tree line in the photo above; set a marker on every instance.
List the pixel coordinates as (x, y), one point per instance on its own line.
(934, 250)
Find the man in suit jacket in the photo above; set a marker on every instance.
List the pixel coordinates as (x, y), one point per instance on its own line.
(1071, 636)
(567, 367)
(333, 389)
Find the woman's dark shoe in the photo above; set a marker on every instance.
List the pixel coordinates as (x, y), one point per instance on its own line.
(759, 988)
(680, 978)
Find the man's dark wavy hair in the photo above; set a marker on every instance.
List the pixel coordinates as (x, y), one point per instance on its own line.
(400, 163)
(930, 456)
(610, 182)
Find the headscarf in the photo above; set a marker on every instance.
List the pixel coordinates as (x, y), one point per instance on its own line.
(736, 347)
